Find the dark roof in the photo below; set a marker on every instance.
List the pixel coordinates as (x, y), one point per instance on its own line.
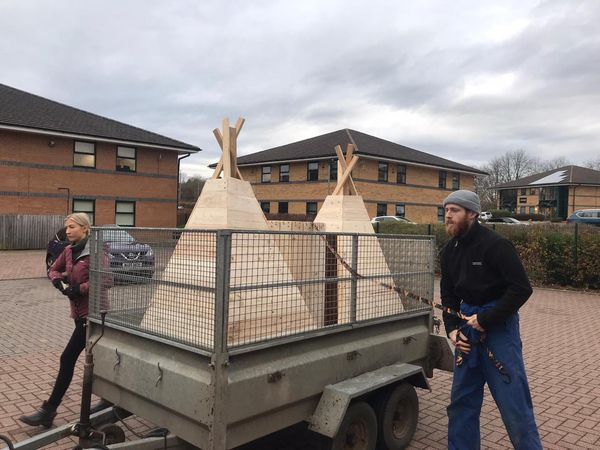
(364, 144)
(566, 175)
(22, 109)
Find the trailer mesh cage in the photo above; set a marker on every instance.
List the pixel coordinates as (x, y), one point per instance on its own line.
(231, 289)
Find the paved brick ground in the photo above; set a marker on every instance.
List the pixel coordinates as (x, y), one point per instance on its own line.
(561, 338)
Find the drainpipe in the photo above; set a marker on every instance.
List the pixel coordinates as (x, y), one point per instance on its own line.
(178, 168)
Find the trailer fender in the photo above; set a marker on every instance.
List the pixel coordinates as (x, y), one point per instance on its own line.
(335, 399)
(440, 355)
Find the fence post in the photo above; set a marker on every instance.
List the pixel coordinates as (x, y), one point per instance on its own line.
(354, 283)
(576, 245)
(429, 227)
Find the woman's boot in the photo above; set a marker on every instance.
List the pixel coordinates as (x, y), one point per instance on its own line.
(43, 416)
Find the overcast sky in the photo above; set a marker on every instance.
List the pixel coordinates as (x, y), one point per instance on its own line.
(464, 80)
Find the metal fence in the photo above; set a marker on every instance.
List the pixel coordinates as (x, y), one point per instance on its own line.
(235, 289)
(27, 232)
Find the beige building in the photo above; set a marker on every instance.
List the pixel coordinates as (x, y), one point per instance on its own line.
(294, 179)
(556, 193)
(56, 159)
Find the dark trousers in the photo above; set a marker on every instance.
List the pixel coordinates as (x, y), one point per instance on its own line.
(68, 359)
(513, 399)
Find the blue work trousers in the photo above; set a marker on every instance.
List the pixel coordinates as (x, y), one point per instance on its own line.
(512, 398)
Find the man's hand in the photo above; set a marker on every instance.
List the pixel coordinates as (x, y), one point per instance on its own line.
(472, 322)
(460, 341)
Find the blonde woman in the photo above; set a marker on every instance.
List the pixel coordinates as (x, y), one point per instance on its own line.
(70, 275)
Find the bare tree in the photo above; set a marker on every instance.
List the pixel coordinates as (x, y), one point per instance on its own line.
(551, 164)
(593, 163)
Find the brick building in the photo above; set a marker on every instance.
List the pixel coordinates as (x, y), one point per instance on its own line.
(392, 179)
(55, 159)
(556, 193)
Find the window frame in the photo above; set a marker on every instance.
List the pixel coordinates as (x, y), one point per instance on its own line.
(383, 171)
(120, 202)
(287, 173)
(403, 206)
(381, 205)
(401, 174)
(75, 152)
(85, 199)
(129, 158)
(263, 173)
(287, 207)
(333, 169)
(441, 218)
(310, 171)
(455, 181)
(316, 205)
(442, 175)
(266, 210)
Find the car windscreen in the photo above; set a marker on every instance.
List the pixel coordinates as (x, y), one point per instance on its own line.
(116, 236)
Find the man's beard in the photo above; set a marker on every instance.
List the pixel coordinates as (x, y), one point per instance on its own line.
(458, 228)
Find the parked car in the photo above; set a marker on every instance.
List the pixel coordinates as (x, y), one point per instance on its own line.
(390, 219)
(506, 221)
(485, 215)
(126, 256)
(589, 216)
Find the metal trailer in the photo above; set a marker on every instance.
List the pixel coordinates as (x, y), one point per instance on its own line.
(190, 350)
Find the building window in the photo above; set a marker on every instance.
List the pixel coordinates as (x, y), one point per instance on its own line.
(312, 173)
(284, 173)
(523, 191)
(455, 181)
(266, 207)
(85, 206)
(126, 159)
(532, 210)
(382, 209)
(522, 210)
(441, 214)
(266, 174)
(282, 208)
(400, 209)
(311, 208)
(533, 191)
(442, 179)
(125, 213)
(333, 170)
(522, 199)
(382, 172)
(401, 174)
(84, 154)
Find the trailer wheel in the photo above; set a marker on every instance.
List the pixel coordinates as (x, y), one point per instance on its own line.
(397, 413)
(114, 434)
(358, 430)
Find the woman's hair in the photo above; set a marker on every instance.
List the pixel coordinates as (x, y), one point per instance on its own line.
(80, 219)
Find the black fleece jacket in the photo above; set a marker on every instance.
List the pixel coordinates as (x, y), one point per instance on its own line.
(480, 267)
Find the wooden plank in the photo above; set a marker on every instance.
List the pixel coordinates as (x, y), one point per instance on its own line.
(227, 169)
(346, 175)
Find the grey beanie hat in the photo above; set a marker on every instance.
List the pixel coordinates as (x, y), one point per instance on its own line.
(464, 198)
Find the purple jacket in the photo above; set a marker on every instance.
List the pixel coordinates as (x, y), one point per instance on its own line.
(77, 272)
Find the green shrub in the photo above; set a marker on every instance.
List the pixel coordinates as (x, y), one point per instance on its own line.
(552, 254)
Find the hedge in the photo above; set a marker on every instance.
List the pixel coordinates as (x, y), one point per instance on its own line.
(552, 254)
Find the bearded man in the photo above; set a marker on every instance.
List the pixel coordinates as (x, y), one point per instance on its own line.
(483, 286)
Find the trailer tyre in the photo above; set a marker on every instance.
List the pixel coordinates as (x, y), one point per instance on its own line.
(397, 416)
(114, 433)
(358, 430)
